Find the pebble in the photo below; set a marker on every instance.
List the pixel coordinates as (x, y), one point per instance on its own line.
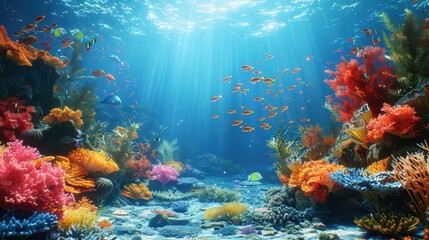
(212, 225)
(328, 236)
(319, 226)
(269, 233)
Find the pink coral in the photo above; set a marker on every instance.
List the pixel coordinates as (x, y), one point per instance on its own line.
(400, 121)
(164, 174)
(355, 84)
(15, 118)
(25, 188)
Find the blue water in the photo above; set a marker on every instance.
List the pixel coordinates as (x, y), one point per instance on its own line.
(179, 52)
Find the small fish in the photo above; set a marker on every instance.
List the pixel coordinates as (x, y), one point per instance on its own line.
(244, 90)
(258, 99)
(247, 129)
(98, 73)
(354, 50)
(292, 87)
(247, 68)
(110, 77)
(271, 115)
(296, 70)
(70, 140)
(272, 109)
(286, 70)
(227, 78)
(29, 40)
(247, 112)
(257, 72)
(216, 98)
(284, 108)
(269, 80)
(231, 111)
(367, 31)
(67, 44)
(308, 58)
(237, 122)
(375, 41)
(305, 120)
(29, 27)
(214, 116)
(112, 100)
(269, 56)
(40, 18)
(261, 119)
(254, 80)
(253, 177)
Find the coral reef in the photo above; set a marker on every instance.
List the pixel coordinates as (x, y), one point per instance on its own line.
(280, 215)
(171, 195)
(355, 84)
(76, 178)
(399, 121)
(25, 188)
(15, 118)
(137, 191)
(357, 127)
(16, 227)
(82, 214)
(164, 174)
(57, 116)
(232, 211)
(276, 197)
(312, 177)
(93, 162)
(138, 168)
(216, 194)
(179, 231)
(180, 206)
(388, 224)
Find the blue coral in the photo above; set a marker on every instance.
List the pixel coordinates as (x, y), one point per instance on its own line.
(360, 179)
(226, 231)
(12, 224)
(180, 206)
(179, 231)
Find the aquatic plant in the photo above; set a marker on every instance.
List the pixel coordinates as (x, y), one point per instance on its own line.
(355, 84)
(217, 194)
(93, 162)
(58, 115)
(15, 118)
(312, 177)
(412, 172)
(82, 214)
(12, 225)
(287, 154)
(76, 178)
(94, 131)
(171, 195)
(310, 135)
(164, 174)
(25, 188)
(137, 191)
(399, 121)
(388, 223)
(409, 47)
(120, 143)
(167, 150)
(233, 211)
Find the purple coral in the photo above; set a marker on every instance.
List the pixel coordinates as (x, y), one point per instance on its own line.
(164, 174)
(248, 230)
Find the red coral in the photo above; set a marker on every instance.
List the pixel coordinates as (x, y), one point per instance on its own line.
(25, 188)
(139, 168)
(400, 121)
(355, 84)
(15, 118)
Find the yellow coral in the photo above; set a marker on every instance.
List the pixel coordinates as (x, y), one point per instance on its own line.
(137, 191)
(230, 211)
(175, 164)
(82, 214)
(57, 116)
(92, 161)
(379, 166)
(76, 177)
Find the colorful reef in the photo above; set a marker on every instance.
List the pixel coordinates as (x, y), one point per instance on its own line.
(83, 153)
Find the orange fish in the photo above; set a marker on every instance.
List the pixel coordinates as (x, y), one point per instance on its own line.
(40, 18)
(375, 41)
(269, 80)
(257, 72)
(244, 90)
(236, 88)
(291, 87)
(247, 112)
(269, 56)
(272, 109)
(296, 70)
(247, 68)
(216, 98)
(286, 70)
(29, 27)
(214, 116)
(309, 58)
(284, 108)
(256, 79)
(67, 44)
(227, 78)
(264, 125)
(309, 85)
(261, 118)
(291, 121)
(247, 129)
(237, 122)
(231, 112)
(271, 115)
(110, 77)
(354, 50)
(98, 73)
(269, 91)
(258, 99)
(305, 120)
(131, 94)
(268, 127)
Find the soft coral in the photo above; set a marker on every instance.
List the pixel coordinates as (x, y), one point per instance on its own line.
(15, 118)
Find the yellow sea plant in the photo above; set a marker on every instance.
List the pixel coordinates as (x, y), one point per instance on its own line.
(93, 161)
(232, 211)
(388, 224)
(58, 115)
(82, 214)
(137, 191)
(177, 165)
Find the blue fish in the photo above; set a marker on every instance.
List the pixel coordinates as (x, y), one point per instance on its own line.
(112, 100)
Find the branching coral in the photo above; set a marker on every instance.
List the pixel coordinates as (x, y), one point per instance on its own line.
(171, 195)
(310, 135)
(137, 191)
(356, 128)
(389, 224)
(57, 116)
(400, 121)
(232, 211)
(312, 177)
(216, 194)
(379, 166)
(412, 172)
(25, 188)
(15, 118)
(82, 214)
(355, 84)
(93, 162)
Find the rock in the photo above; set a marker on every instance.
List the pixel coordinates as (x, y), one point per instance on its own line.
(212, 225)
(269, 233)
(328, 236)
(136, 238)
(160, 220)
(305, 224)
(319, 226)
(259, 227)
(179, 221)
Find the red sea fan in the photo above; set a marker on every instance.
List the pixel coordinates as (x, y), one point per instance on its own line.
(400, 121)
(355, 84)
(25, 188)
(15, 118)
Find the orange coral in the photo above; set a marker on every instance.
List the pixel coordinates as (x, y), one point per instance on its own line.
(105, 223)
(57, 116)
(311, 135)
(137, 191)
(75, 178)
(22, 54)
(329, 140)
(38, 161)
(312, 177)
(379, 166)
(139, 168)
(92, 161)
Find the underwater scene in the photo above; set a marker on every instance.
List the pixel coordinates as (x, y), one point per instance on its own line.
(214, 119)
